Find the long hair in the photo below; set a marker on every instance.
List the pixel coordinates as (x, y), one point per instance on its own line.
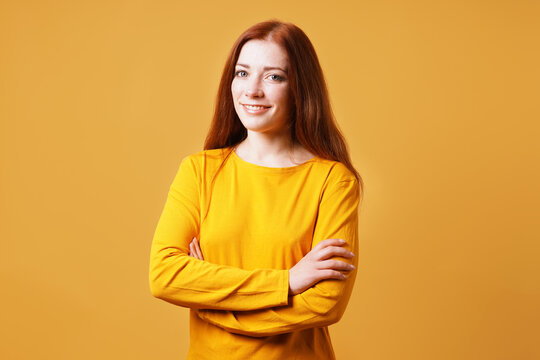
(312, 121)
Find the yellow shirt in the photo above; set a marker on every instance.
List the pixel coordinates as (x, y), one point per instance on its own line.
(254, 223)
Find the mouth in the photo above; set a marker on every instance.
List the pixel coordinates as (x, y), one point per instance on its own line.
(255, 109)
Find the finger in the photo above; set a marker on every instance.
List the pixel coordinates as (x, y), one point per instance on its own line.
(335, 265)
(331, 274)
(329, 242)
(331, 251)
(191, 252)
(198, 249)
(194, 250)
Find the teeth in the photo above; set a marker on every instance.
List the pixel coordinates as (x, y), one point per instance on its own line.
(251, 107)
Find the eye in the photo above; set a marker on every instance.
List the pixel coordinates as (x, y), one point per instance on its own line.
(276, 77)
(241, 73)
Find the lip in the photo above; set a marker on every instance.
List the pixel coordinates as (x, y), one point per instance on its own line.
(258, 111)
(256, 105)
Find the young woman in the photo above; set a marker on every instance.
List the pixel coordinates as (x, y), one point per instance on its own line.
(259, 230)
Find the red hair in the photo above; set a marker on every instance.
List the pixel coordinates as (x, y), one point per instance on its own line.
(312, 121)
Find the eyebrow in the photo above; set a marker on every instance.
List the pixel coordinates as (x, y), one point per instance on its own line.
(265, 68)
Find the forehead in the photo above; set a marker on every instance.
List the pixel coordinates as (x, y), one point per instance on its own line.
(263, 53)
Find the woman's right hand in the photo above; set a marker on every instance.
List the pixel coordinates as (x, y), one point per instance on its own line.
(316, 265)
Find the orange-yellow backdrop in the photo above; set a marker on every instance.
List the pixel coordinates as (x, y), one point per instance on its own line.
(100, 100)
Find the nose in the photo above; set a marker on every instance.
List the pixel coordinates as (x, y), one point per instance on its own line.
(253, 88)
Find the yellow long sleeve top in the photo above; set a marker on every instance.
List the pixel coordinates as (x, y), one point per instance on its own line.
(254, 223)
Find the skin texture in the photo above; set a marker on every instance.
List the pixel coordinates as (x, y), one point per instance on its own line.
(261, 79)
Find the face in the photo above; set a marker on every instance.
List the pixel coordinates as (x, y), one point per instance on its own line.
(260, 87)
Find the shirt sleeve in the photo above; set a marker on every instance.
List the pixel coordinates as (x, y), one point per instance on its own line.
(324, 303)
(186, 281)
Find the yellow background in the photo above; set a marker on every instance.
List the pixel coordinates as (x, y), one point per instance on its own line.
(439, 101)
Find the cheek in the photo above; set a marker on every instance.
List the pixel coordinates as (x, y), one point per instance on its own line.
(284, 97)
(235, 89)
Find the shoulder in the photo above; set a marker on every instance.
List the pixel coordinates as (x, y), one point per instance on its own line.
(334, 171)
(337, 180)
(212, 155)
(205, 157)
(205, 162)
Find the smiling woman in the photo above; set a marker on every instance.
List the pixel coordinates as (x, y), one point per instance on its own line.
(259, 230)
(261, 87)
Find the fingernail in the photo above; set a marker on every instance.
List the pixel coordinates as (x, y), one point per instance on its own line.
(342, 241)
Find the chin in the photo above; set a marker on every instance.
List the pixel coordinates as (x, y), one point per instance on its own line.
(261, 123)
(262, 127)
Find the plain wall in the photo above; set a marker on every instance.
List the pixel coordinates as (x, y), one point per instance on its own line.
(438, 100)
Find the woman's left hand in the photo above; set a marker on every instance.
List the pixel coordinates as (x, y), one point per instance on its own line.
(195, 250)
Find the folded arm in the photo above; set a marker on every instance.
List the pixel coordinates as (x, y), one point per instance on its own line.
(325, 302)
(186, 281)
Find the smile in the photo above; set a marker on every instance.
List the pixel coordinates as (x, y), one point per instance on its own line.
(255, 109)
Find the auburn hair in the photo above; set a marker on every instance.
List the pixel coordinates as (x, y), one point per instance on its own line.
(312, 121)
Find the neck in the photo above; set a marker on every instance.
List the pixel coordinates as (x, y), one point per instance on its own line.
(263, 146)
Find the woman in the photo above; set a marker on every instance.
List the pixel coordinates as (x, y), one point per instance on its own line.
(272, 207)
